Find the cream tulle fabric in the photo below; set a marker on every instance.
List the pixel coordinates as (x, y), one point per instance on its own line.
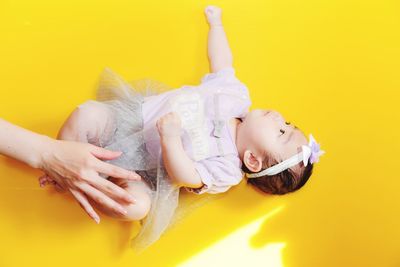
(124, 132)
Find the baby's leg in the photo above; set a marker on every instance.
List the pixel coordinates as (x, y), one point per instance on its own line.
(85, 121)
(86, 124)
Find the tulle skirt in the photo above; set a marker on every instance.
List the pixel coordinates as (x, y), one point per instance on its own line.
(124, 132)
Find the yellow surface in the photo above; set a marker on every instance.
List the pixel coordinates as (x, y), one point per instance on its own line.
(331, 67)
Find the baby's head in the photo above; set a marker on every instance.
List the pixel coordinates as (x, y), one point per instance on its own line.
(265, 139)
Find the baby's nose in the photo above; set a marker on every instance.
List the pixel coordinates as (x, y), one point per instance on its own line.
(278, 116)
(274, 114)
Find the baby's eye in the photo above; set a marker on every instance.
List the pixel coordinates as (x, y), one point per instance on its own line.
(287, 123)
(282, 131)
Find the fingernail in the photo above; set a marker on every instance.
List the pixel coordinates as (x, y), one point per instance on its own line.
(97, 220)
(124, 212)
(131, 199)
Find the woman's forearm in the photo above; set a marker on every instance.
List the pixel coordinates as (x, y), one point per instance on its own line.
(22, 144)
(179, 166)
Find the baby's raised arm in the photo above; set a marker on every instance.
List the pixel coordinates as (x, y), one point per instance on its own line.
(219, 52)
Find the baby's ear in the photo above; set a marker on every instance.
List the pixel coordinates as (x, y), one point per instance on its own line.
(252, 162)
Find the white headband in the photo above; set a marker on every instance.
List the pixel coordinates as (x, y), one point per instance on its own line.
(310, 152)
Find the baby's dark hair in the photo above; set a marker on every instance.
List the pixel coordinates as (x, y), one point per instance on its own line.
(281, 183)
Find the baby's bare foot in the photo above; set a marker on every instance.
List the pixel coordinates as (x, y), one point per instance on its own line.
(213, 14)
(46, 180)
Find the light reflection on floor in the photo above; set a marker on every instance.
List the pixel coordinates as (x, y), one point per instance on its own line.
(235, 249)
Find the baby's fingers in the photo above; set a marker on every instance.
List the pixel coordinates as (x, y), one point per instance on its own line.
(84, 203)
(212, 10)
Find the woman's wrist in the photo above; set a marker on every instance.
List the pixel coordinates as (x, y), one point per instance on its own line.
(41, 151)
(22, 144)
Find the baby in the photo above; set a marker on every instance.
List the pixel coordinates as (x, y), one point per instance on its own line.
(205, 135)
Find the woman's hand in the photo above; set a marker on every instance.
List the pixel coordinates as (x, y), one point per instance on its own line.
(169, 125)
(76, 167)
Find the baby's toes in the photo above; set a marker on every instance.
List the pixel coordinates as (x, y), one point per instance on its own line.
(43, 180)
(59, 188)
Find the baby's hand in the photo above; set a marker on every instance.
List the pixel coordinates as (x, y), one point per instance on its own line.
(213, 14)
(169, 125)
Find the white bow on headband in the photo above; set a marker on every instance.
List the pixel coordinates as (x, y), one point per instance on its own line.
(310, 152)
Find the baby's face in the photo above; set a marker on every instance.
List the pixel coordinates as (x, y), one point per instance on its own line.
(267, 130)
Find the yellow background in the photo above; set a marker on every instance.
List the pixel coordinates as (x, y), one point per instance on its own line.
(330, 67)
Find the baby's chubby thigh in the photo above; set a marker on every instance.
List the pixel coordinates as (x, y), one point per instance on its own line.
(86, 123)
(142, 194)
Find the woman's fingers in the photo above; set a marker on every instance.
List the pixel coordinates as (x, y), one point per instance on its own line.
(116, 172)
(70, 163)
(59, 188)
(84, 203)
(108, 169)
(111, 189)
(103, 153)
(102, 199)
